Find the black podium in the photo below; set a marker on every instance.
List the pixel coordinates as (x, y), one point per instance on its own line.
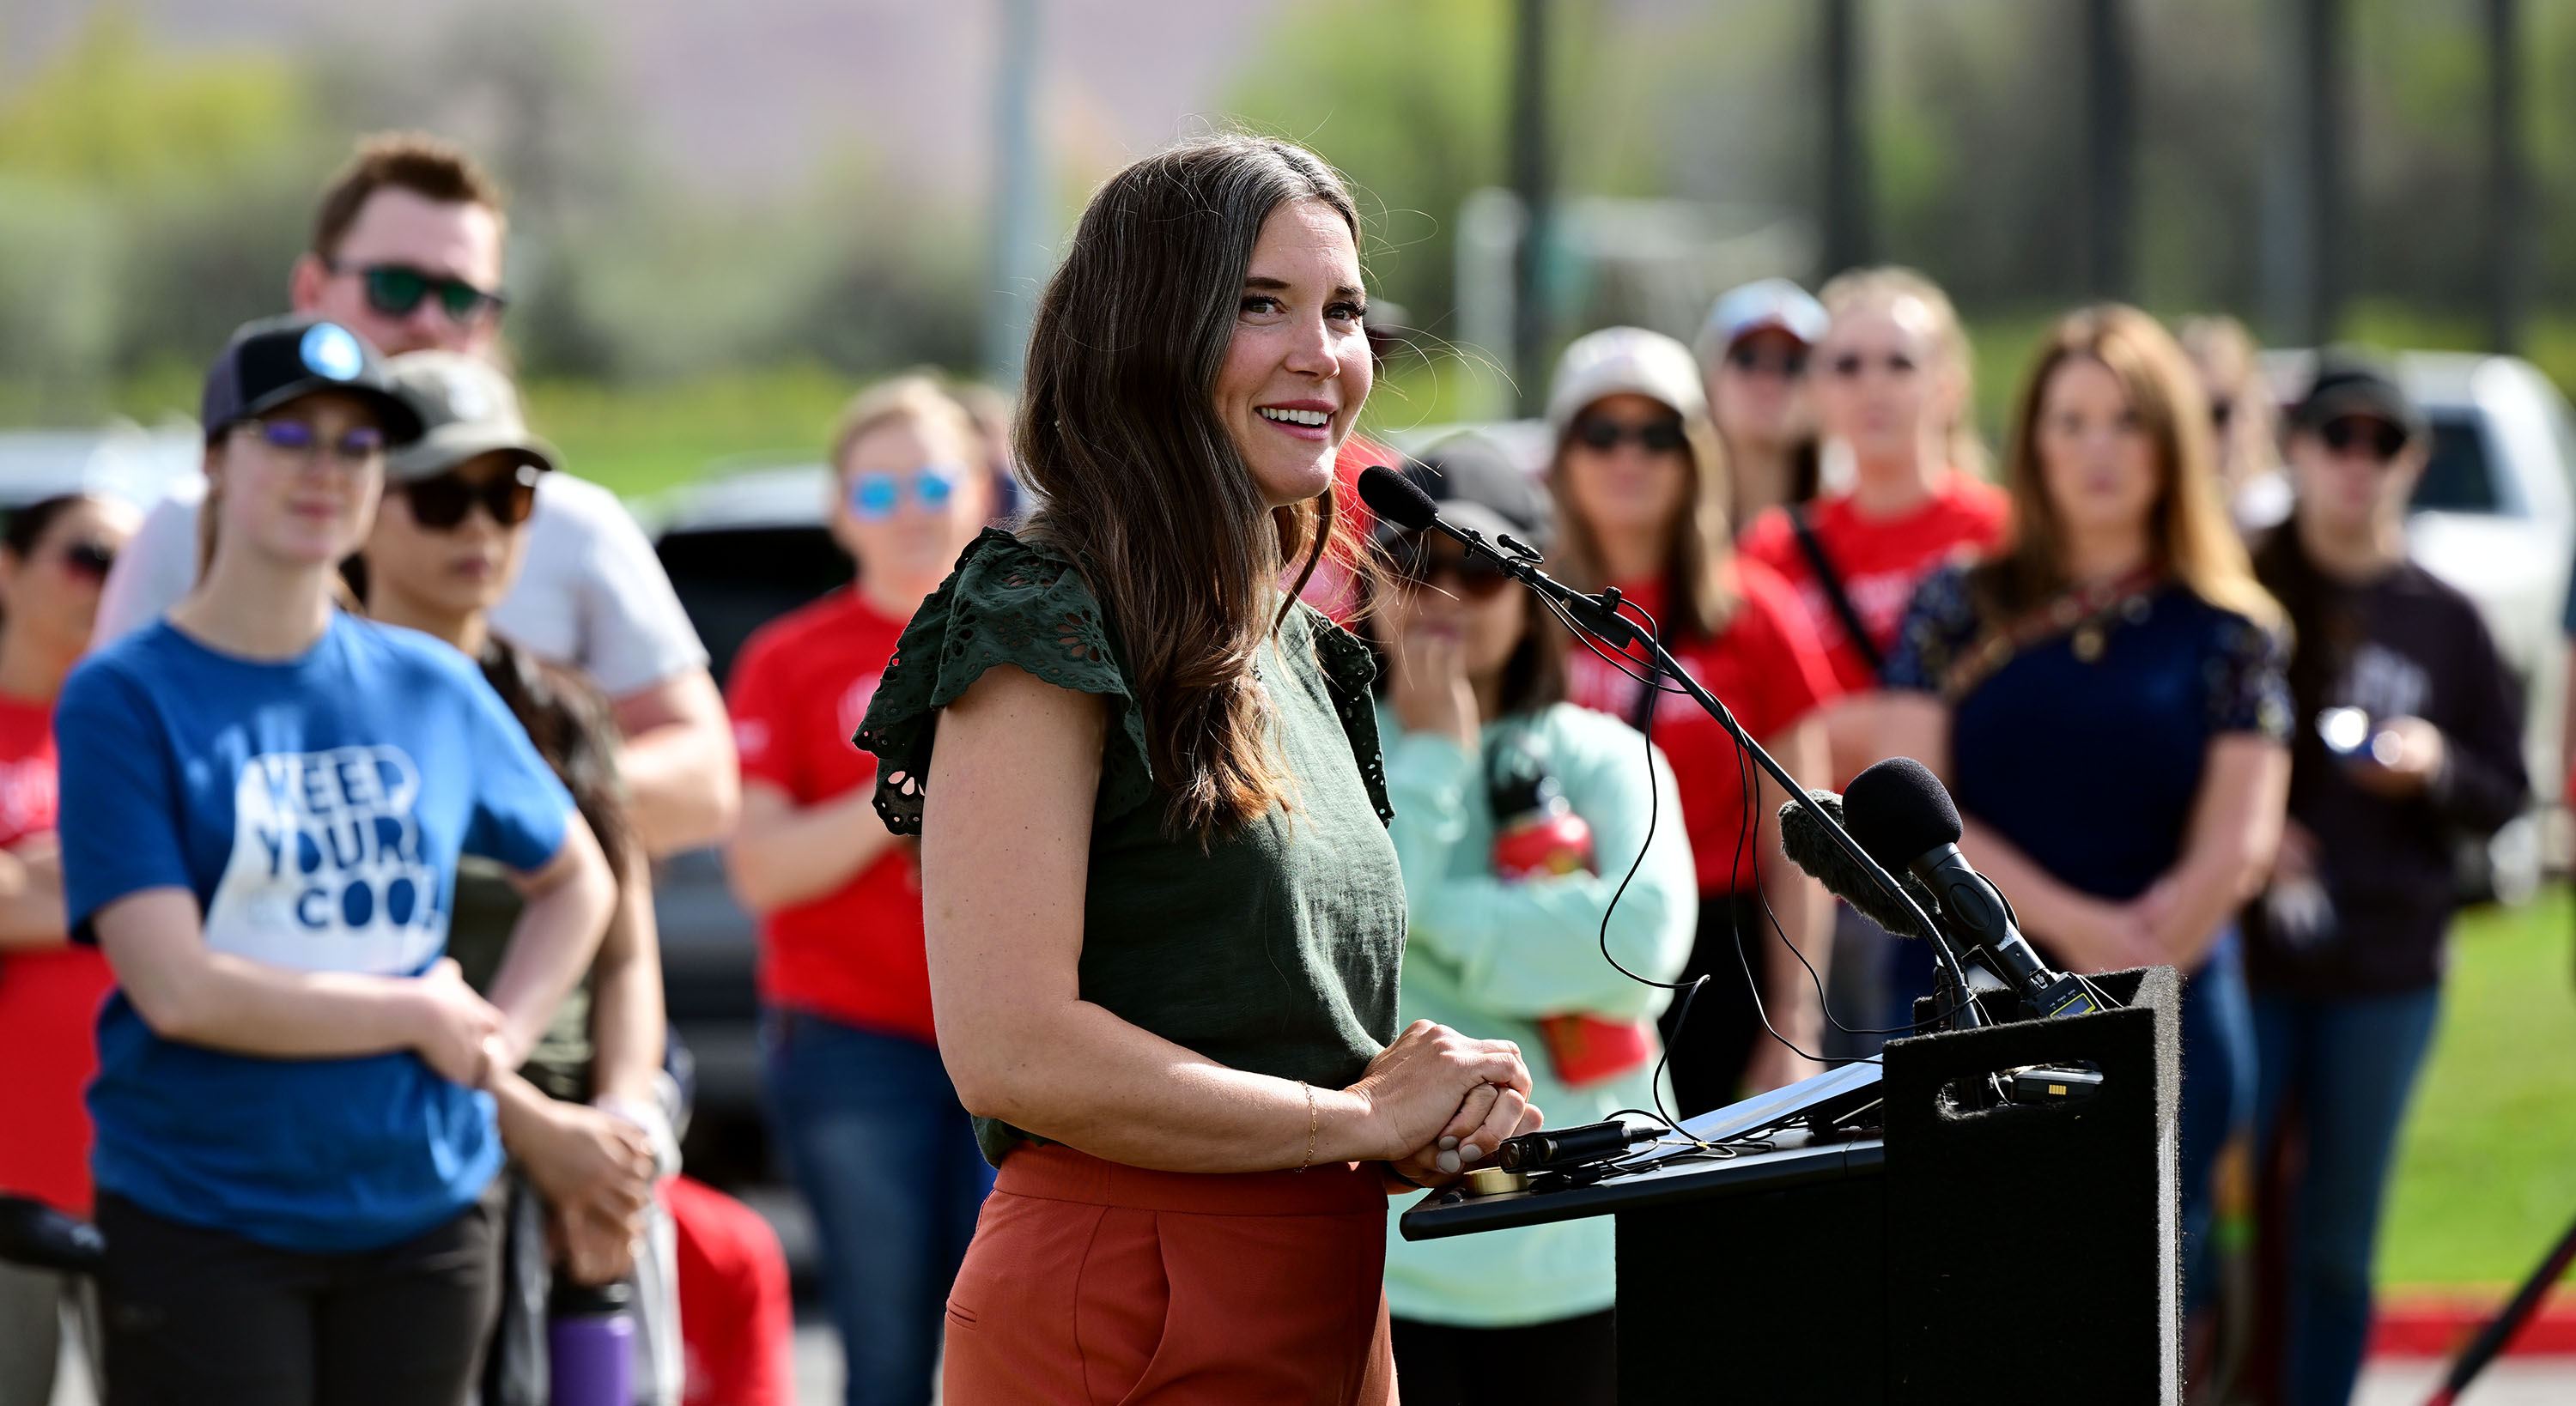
(1966, 1250)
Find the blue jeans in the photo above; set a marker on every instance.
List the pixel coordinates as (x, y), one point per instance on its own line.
(886, 1157)
(2217, 1097)
(2348, 1066)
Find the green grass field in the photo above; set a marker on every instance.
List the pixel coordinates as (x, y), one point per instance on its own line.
(2486, 1181)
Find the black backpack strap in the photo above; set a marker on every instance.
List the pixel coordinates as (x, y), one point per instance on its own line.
(1832, 581)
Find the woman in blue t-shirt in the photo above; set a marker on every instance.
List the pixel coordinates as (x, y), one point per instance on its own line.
(2106, 702)
(264, 802)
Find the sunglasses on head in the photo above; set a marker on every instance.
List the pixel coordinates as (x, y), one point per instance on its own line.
(1419, 564)
(297, 439)
(1654, 436)
(1849, 365)
(2344, 433)
(441, 501)
(89, 560)
(874, 496)
(397, 289)
(1751, 357)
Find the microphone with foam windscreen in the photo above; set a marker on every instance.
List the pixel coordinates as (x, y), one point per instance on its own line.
(1903, 816)
(1804, 839)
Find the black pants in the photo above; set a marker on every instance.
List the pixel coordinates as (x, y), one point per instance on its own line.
(1709, 1057)
(207, 1318)
(1569, 1362)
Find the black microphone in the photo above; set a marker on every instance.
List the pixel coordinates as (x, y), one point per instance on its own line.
(1804, 839)
(1902, 815)
(1399, 500)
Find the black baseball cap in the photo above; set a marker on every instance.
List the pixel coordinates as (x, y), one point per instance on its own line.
(278, 359)
(1476, 485)
(2347, 385)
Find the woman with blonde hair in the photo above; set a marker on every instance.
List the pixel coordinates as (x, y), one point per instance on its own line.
(2105, 699)
(1893, 384)
(869, 1122)
(2244, 417)
(1640, 487)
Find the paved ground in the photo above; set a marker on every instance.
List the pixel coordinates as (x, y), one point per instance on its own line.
(2526, 1381)
(2541, 1381)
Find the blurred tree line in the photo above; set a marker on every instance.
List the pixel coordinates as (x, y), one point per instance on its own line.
(150, 199)
(1974, 122)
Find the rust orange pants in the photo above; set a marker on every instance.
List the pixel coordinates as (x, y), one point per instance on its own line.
(1095, 1284)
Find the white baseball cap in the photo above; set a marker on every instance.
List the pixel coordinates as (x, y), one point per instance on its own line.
(1625, 360)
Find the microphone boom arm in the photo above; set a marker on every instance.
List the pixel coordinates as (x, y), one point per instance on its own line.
(1599, 616)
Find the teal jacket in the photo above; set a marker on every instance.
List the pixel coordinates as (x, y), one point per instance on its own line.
(1488, 956)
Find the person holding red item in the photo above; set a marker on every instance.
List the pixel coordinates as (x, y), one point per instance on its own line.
(872, 1128)
(1891, 386)
(1640, 486)
(53, 555)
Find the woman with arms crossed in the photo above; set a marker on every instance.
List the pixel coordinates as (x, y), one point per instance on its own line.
(263, 802)
(857, 1096)
(53, 555)
(582, 1119)
(2105, 700)
(1163, 915)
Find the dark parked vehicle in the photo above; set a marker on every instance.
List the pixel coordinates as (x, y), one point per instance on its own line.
(741, 549)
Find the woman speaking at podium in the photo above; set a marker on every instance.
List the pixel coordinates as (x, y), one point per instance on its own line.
(2105, 699)
(1163, 914)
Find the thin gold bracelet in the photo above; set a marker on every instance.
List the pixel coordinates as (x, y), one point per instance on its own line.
(1310, 1125)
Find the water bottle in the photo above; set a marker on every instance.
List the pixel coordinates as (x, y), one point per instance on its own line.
(590, 1345)
(1537, 834)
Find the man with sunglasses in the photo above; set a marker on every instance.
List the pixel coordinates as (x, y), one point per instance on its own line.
(1753, 354)
(407, 252)
(2406, 739)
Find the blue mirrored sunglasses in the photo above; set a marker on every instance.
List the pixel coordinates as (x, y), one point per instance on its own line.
(875, 496)
(298, 438)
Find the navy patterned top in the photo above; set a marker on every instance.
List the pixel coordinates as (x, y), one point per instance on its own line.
(2085, 748)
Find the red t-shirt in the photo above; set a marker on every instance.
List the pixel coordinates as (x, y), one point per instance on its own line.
(1880, 560)
(1768, 670)
(799, 689)
(48, 1000)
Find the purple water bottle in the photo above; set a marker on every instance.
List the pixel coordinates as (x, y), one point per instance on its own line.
(590, 1345)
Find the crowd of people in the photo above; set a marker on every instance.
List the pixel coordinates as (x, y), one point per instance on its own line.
(1280, 861)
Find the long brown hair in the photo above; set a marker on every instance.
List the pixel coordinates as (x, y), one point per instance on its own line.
(1139, 482)
(2190, 533)
(1699, 598)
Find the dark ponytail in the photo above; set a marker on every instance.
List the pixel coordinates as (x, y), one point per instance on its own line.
(573, 729)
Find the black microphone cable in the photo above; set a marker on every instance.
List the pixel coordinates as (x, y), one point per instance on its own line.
(1649, 676)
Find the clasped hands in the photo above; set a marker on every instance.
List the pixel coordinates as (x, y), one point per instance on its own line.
(1439, 1103)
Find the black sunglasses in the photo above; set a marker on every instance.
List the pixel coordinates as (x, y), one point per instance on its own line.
(1749, 356)
(1654, 436)
(89, 560)
(2220, 412)
(441, 501)
(1418, 564)
(396, 289)
(2382, 439)
(1849, 365)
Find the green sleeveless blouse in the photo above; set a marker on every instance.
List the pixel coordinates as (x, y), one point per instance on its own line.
(1273, 950)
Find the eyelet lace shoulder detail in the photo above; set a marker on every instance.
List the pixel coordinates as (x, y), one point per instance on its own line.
(1007, 602)
(1350, 671)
